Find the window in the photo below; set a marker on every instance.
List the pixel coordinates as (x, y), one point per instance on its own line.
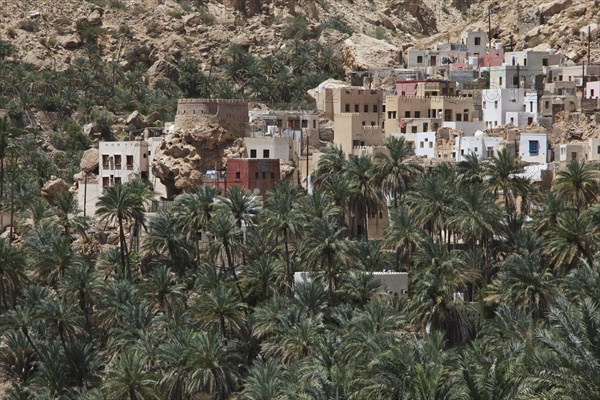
(347, 108)
(545, 62)
(105, 182)
(417, 114)
(574, 155)
(256, 175)
(546, 104)
(413, 129)
(314, 124)
(515, 80)
(272, 175)
(496, 104)
(524, 62)
(490, 152)
(105, 159)
(252, 153)
(431, 145)
(356, 108)
(129, 162)
(534, 147)
(237, 176)
(366, 108)
(477, 41)
(419, 59)
(421, 144)
(406, 114)
(117, 162)
(484, 103)
(305, 123)
(500, 81)
(592, 93)
(375, 107)
(264, 175)
(364, 123)
(598, 150)
(266, 153)
(117, 180)
(531, 106)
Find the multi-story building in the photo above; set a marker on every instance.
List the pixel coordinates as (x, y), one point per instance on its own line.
(574, 73)
(518, 107)
(534, 60)
(482, 146)
(401, 111)
(256, 175)
(475, 41)
(592, 90)
(515, 76)
(572, 151)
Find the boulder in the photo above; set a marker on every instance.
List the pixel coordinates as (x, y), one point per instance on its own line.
(362, 52)
(162, 70)
(95, 17)
(152, 118)
(181, 155)
(53, 188)
(193, 19)
(90, 161)
(91, 130)
(69, 42)
(136, 119)
(332, 38)
(547, 10)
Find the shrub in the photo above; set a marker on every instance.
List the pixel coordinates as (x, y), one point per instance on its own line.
(379, 32)
(87, 32)
(206, 16)
(336, 23)
(6, 49)
(175, 14)
(296, 28)
(29, 25)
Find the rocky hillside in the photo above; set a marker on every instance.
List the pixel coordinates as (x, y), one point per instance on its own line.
(52, 33)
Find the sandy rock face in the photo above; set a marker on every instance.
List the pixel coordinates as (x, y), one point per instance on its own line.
(162, 70)
(90, 161)
(554, 7)
(182, 155)
(53, 188)
(361, 52)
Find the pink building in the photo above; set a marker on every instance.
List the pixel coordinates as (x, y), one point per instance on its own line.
(493, 58)
(407, 88)
(592, 90)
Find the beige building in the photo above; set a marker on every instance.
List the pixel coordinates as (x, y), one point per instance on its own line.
(337, 100)
(353, 130)
(572, 151)
(435, 109)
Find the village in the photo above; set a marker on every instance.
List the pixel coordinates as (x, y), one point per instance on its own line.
(451, 101)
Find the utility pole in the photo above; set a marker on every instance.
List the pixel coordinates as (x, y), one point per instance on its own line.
(12, 201)
(84, 197)
(588, 43)
(307, 172)
(490, 27)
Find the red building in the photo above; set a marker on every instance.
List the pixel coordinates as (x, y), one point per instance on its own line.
(257, 175)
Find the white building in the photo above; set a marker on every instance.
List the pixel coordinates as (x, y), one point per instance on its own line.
(532, 59)
(467, 127)
(476, 41)
(533, 147)
(270, 147)
(423, 143)
(572, 151)
(120, 162)
(518, 107)
(593, 152)
(482, 146)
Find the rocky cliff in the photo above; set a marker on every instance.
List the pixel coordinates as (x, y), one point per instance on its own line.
(160, 32)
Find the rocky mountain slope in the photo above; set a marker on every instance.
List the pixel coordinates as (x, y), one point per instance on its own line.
(52, 33)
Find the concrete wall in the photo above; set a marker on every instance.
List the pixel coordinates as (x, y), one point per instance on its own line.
(351, 129)
(392, 282)
(496, 103)
(539, 157)
(474, 46)
(483, 147)
(468, 128)
(113, 171)
(277, 147)
(592, 90)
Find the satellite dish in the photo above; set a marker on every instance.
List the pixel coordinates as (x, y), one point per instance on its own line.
(256, 191)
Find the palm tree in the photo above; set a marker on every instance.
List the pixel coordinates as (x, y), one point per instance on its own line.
(500, 172)
(365, 196)
(128, 378)
(226, 231)
(470, 170)
(402, 235)
(212, 366)
(284, 217)
(263, 277)
(577, 183)
(166, 238)
(81, 284)
(119, 204)
(526, 283)
(161, 284)
(193, 211)
(265, 382)
(573, 236)
(432, 204)
(331, 163)
(395, 170)
(325, 250)
(221, 310)
(567, 362)
(65, 205)
(439, 280)
(12, 274)
(17, 358)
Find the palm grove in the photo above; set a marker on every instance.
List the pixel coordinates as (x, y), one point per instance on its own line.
(198, 302)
